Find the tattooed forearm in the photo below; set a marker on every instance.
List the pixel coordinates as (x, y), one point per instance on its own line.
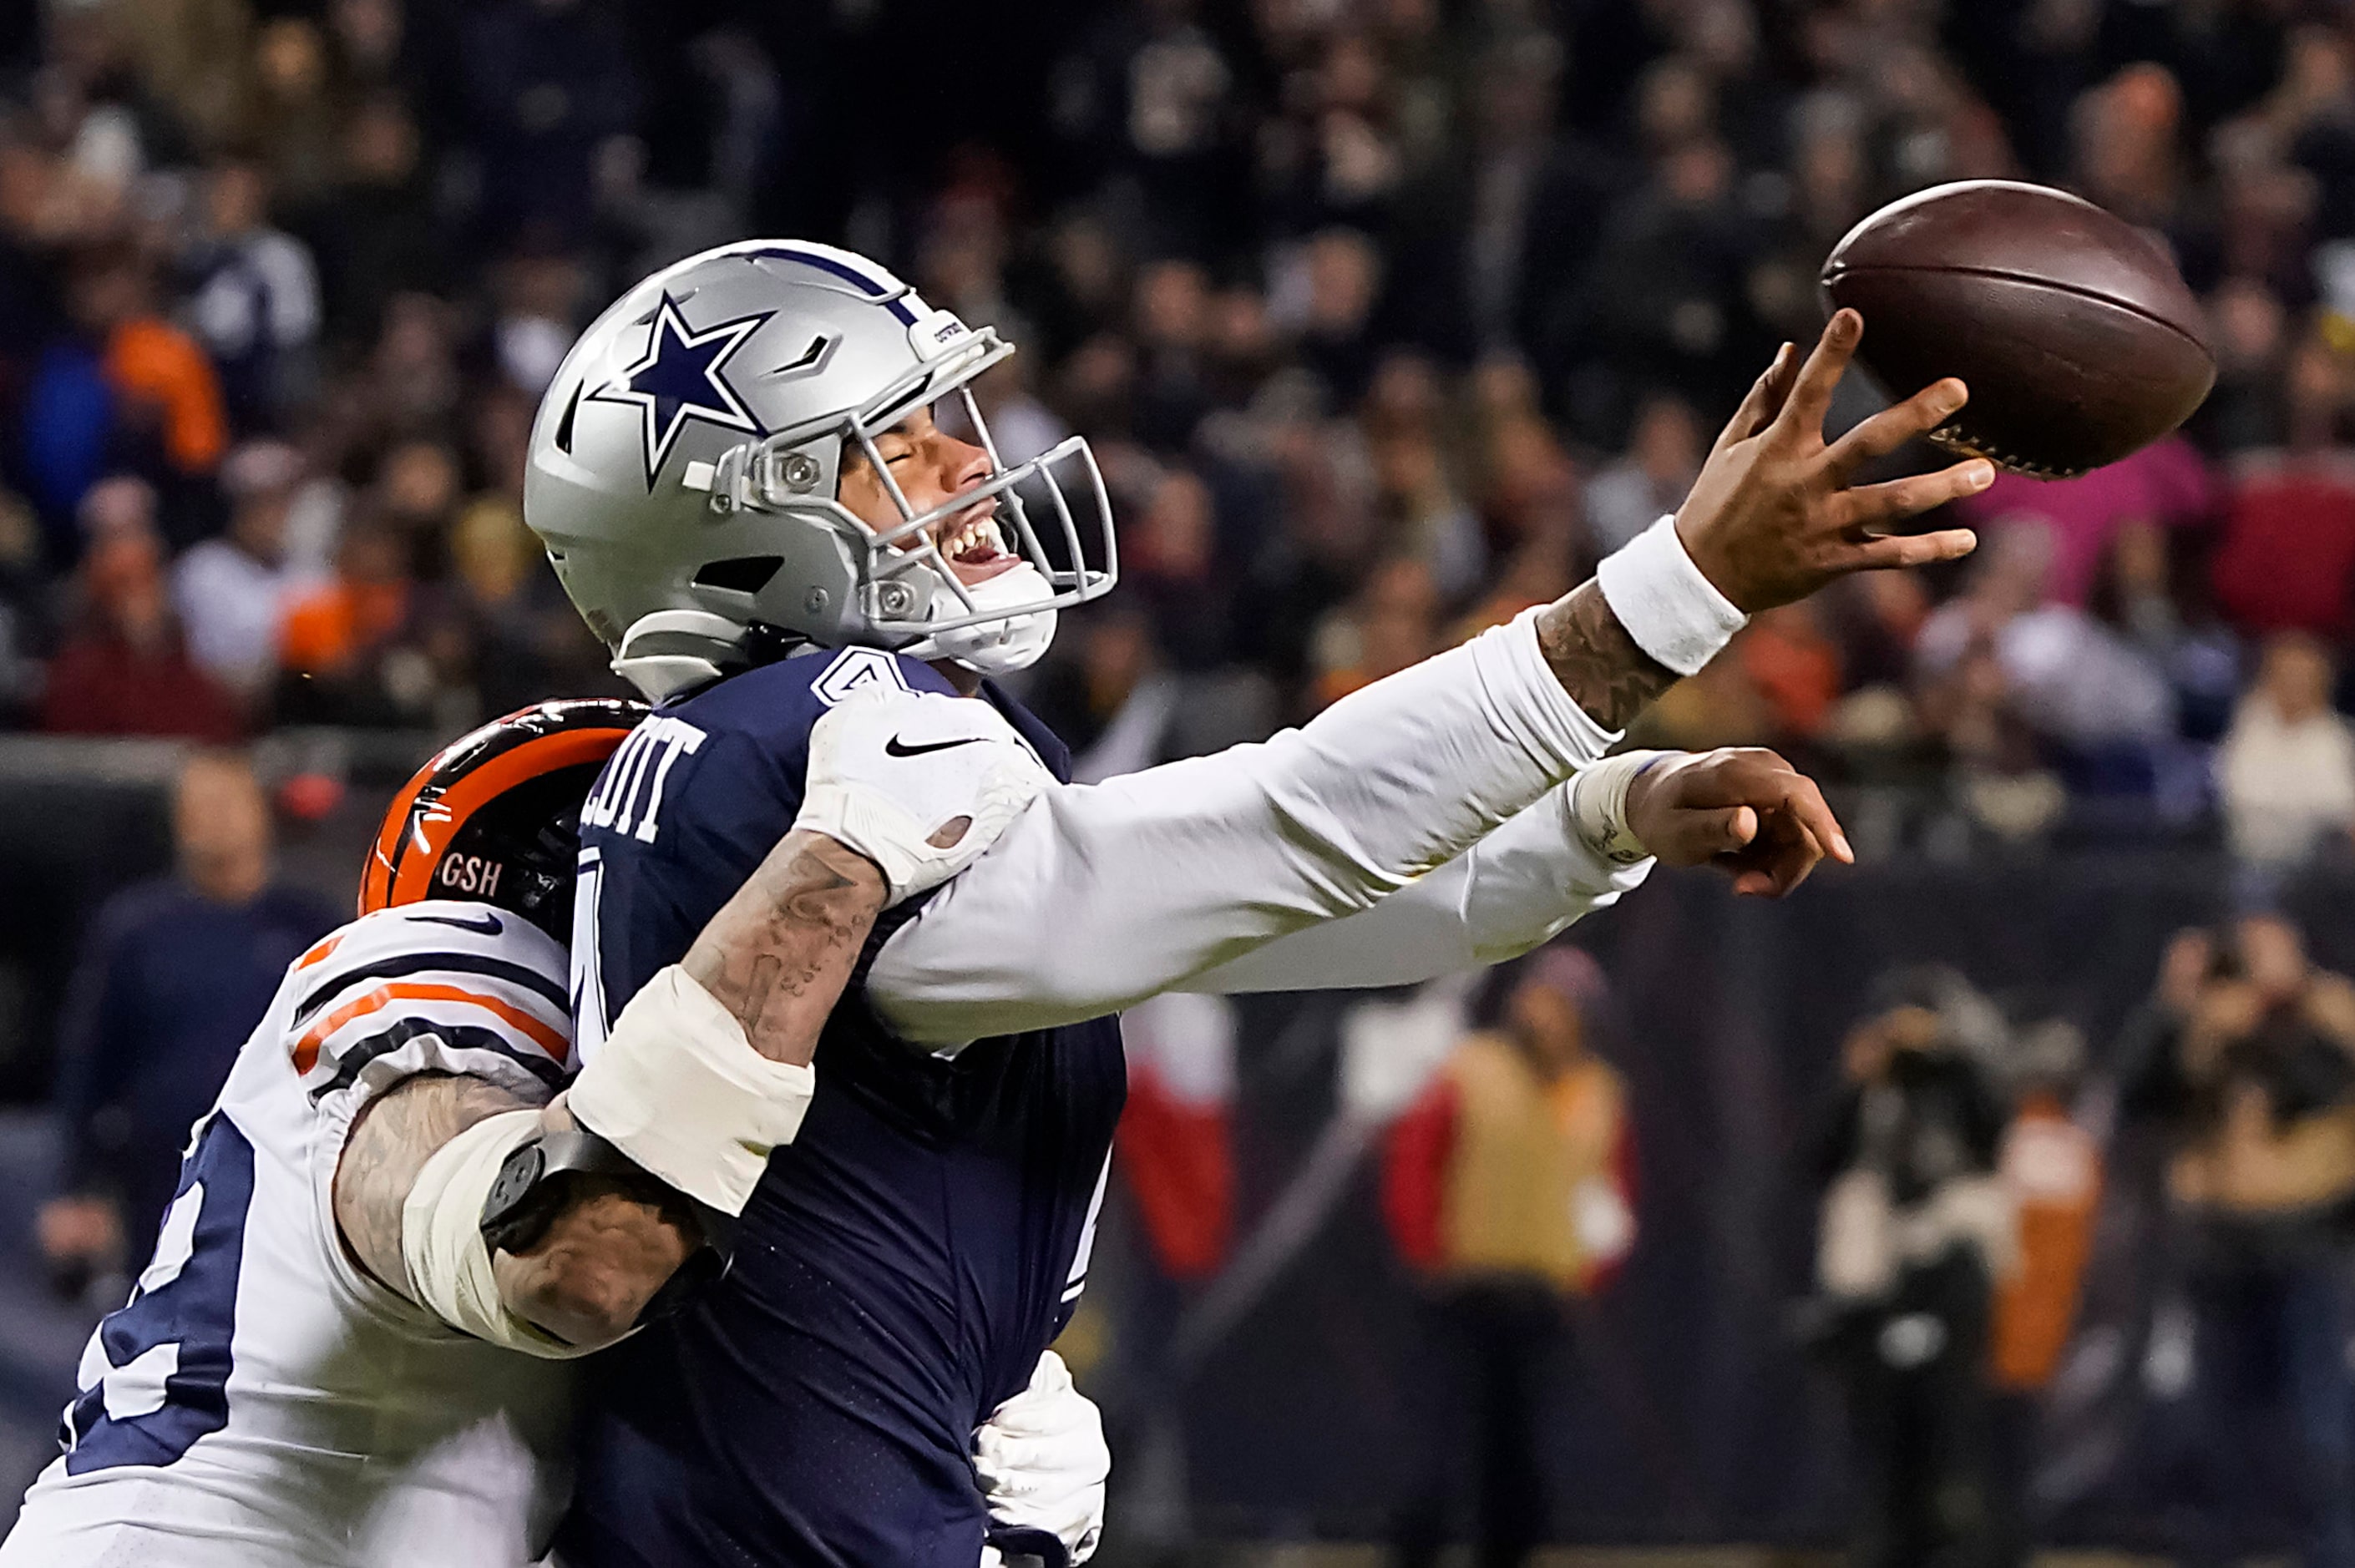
(778, 954)
(388, 1146)
(617, 1240)
(1596, 661)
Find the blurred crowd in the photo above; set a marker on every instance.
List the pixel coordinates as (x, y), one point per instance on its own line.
(2021, 1243)
(1388, 318)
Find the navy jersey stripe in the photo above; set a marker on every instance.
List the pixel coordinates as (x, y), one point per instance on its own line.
(354, 1060)
(426, 963)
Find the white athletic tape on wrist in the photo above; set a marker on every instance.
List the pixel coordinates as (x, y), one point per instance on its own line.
(679, 1089)
(888, 771)
(442, 1237)
(1673, 612)
(1598, 805)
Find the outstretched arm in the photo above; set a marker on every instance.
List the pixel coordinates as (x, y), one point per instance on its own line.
(1102, 894)
(1540, 873)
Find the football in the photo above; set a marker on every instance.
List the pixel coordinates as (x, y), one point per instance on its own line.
(2076, 335)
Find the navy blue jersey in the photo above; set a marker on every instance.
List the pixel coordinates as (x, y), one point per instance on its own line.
(903, 1264)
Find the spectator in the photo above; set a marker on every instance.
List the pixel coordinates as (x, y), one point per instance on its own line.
(230, 593)
(1795, 668)
(550, 86)
(1422, 512)
(373, 232)
(1663, 459)
(1393, 622)
(173, 976)
(1175, 542)
(2246, 1059)
(125, 668)
(2286, 769)
(252, 297)
(1172, 327)
(2050, 1167)
(1509, 1187)
(2167, 485)
(128, 389)
(2286, 552)
(2245, 411)
(351, 651)
(1338, 284)
(292, 110)
(1663, 299)
(526, 642)
(416, 495)
(2087, 691)
(1914, 1233)
(539, 306)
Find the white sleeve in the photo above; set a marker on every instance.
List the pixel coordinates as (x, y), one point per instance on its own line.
(1102, 894)
(1523, 885)
(433, 987)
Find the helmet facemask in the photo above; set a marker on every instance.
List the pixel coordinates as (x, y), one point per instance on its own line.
(906, 593)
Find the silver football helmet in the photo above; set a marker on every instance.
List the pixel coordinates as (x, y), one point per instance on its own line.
(685, 461)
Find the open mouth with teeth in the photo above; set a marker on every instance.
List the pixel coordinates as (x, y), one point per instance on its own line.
(972, 546)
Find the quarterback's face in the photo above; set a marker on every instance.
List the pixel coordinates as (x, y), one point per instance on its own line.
(932, 467)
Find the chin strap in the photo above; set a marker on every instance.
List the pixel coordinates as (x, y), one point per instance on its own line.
(1015, 642)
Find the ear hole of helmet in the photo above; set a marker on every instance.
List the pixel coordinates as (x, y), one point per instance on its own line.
(738, 573)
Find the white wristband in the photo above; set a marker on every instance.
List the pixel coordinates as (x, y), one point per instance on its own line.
(1673, 612)
(679, 1089)
(1597, 804)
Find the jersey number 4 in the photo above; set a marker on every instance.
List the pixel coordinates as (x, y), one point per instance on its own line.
(154, 1377)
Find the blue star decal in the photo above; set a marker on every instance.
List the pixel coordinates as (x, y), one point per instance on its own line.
(678, 378)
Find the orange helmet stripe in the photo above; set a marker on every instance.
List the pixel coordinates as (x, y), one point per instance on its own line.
(409, 872)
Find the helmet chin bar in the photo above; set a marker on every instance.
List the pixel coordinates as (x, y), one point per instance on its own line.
(994, 647)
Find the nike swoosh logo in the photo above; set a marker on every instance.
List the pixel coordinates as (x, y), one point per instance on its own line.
(893, 747)
(488, 926)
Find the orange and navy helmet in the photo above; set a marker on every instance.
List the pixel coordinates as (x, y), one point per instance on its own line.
(496, 815)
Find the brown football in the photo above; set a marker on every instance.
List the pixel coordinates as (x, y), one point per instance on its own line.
(2077, 338)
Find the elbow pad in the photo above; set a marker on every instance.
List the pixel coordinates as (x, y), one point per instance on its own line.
(679, 1089)
(442, 1244)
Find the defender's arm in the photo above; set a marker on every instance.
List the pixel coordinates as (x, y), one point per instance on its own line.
(616, 1241)
(409, 1187)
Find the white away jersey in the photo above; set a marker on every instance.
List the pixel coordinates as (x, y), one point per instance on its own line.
(260, 1400)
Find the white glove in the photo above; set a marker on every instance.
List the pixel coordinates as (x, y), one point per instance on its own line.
(893, 774)
(1041, 1461)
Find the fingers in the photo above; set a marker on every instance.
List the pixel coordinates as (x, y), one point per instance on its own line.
(1870, 508)
(1911, 550)
(1765, 400)
(1728, 830)
(1786, 851)
(1752, 816)
(1807, 807)
(1756, 816)
(1895, 425)
(1811, 392)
